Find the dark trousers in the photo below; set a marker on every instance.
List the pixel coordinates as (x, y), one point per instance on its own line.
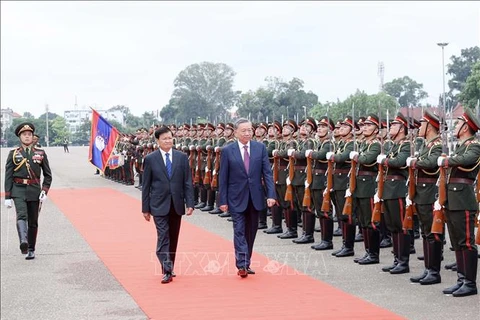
(168, 228)
(461, 228)
(28, 211)
(245, 225)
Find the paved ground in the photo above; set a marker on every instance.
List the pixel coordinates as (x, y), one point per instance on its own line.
(69, 281)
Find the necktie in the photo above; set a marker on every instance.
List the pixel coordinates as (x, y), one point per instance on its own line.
(168, 165)
(246, 157)
(27, 151)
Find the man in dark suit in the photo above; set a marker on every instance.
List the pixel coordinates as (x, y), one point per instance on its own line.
(245, 176)
(166, 189)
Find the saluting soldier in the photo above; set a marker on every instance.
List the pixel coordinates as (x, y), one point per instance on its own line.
(425, 165)
(394, 193)
(24, 187)
(365, 188)
(319, 181)
(461, 205)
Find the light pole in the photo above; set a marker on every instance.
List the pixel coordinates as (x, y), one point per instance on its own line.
(46, 120)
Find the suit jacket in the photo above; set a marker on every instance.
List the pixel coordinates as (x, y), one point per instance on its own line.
(158, 191)
(236, 185)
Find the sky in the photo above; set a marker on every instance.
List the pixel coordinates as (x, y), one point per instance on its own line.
(78, 54)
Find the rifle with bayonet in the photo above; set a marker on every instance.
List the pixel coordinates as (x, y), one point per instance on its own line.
(407, 223)
(307, 196)
(291, 174)
(438, 213)
(348, 207)
(327, 199)
(377, 208)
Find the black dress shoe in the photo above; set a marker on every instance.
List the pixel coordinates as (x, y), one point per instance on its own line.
(467, 289)
(360, 258)
(167, 278)
(229, 219)
(369, 260)
(207, 208)
(388, 268)
(431, 278)
(288, 235)
(420, 277)
(421, 258)
(359, 237)
(200, 205)
(262, 226)
(337, 232)
(274, 229)
(324, 245)
(399, 269)
(30, 255)
(449, 266)
(317, 229)
(226, 214)
(304, 239)
(386, 243)
(24, 247)
(242, 272)
(345, 252)
(216, 211)
(250, 271)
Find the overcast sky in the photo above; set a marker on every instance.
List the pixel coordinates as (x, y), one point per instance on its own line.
(129, 53)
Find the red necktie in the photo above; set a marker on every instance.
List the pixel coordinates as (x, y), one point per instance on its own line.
(246, 157)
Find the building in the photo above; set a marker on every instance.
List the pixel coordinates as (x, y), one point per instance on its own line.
(6, 117)
(75, 118)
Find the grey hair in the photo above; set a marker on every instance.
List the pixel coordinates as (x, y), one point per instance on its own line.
(240, 121)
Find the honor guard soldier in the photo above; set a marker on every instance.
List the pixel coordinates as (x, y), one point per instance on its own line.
(364, 192)
(207, 149)
(319, 181)
(260, 136)
(426, 168)
(25, 188)
(341, 158)
(229, 135)
(394, 193)
(219, 142)
(461, 206)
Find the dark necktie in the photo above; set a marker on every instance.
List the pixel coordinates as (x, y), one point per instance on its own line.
(246, 158)
(168, 165)
(27, 151)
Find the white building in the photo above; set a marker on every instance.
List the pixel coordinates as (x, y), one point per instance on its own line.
(6, 118)
(75, 118)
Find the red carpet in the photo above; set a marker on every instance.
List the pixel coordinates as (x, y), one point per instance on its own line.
(206, 286)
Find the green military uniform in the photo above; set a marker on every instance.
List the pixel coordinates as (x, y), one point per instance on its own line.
(23, 170)
(364, 192)
(394, 193)
(462, 206)
(319, 183)
(426, 190)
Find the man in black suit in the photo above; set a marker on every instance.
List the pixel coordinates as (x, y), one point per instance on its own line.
(166, 189)
(245, 181)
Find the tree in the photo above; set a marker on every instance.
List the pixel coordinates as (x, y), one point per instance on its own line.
(405, 90)
(471, 91)
(460, 69)
(28, 115)
(82, 135)
(58, 131)
(201, 90)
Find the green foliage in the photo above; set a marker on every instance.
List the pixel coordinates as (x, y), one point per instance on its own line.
(202, 89)
(406, 90)
(460, 69)
(471, 91)
(82, 135)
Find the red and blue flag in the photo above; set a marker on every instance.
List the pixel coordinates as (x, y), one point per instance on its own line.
(102, 141)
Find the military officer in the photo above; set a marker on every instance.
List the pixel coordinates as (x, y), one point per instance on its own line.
(24, 186)
(461, 205)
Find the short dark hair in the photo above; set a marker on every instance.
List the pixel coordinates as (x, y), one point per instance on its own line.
(240, 121)
(161, 130)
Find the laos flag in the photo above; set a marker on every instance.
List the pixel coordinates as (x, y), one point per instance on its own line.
(102, 141)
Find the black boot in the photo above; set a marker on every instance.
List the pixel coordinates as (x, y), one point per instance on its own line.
(426, 263)
(291, 220)
(404, 254)
(460, 273)
(215, 210)
(469, 286)
(262, 219)
(22, 230)
(412, 242)
(327, 235)
(276, 221)
(308, 226)
(373, 236)
(434, 251)
(338, 231)
(395, 253)
(365, 244)
(359, 237)
(226, 214)
(349, 231)
(210, 201)
(32, 240)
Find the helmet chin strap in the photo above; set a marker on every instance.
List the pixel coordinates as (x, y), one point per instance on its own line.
(458, 132)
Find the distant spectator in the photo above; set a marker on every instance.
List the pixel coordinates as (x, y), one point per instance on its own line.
(65, 146)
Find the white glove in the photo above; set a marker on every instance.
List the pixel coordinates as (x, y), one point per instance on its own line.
(353, 155)
(376, 198)
(409, 160)
(290, 152)
(408, 202)
(437, 206)
(325, 192)
(43, 196)
(274, 152)
(289, 182)
(8, 203)
(217, 149)
(199, 148)
(440, 161)
(330, 155)
(380, 158)
(348, 193)
(191, 147)
(308, 152)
